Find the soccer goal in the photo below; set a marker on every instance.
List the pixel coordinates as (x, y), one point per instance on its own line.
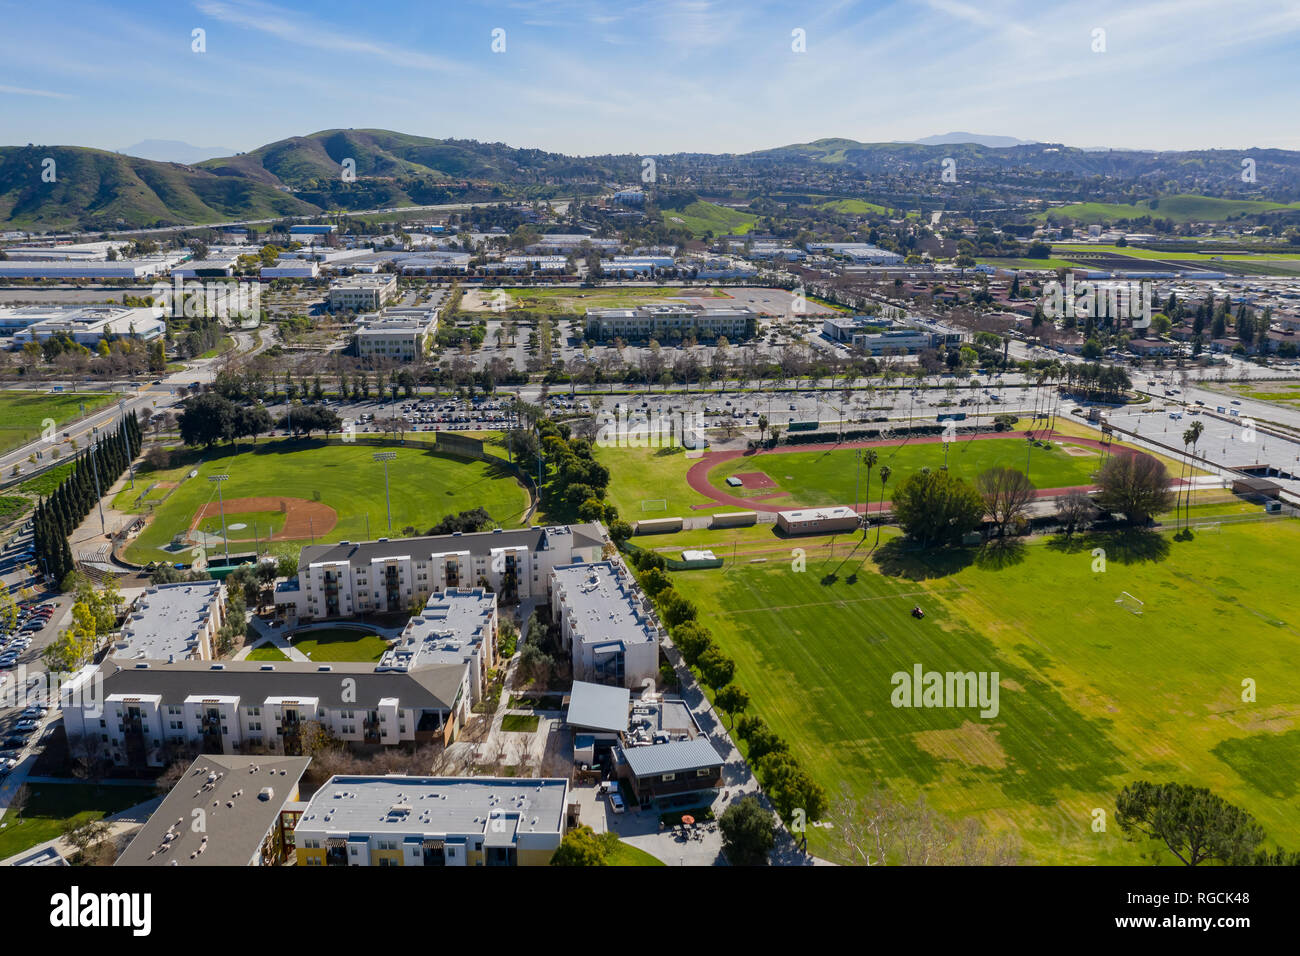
(1209, 527)
(1130, 603)
(654, 504)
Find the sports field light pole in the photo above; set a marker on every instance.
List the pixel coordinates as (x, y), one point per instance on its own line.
(219, 480)
(386, 457)
(126, 448)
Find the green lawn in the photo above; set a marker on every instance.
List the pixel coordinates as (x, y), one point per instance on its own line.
(1179, 208)
(701, 217)
(857, 207)
(1092, 696)
(827, 477)
(424, 487)
(649, 474)
(625, 854)
(341, 644)
(23, 413)
(266, 652)
(520, 723)
(50, 805)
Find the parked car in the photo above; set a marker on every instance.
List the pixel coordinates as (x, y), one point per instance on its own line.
(17, 741)
(28, 724)
(616, 801)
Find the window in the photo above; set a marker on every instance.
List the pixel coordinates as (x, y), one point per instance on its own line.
(668, 776)
(703, 773)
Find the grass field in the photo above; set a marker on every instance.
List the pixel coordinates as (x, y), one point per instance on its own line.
(827, 477)
(625, 854)
(855, 207)
(1179, 208)
(22, 413)
(424, 487)
(341, 644)
(702, 217)
(1092, 697)
(639, 474)
(51, 805)
(266, 652)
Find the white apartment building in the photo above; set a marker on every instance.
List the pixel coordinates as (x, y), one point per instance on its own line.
(388, 576)
(173, 622)
(367, 293)
(605, 623)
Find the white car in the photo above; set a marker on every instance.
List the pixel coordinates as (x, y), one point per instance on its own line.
(616, 801)
(27, 723)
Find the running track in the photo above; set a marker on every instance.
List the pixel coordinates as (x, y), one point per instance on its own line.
(698, 475)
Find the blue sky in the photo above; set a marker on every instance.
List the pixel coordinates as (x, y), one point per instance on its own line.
(648, 77)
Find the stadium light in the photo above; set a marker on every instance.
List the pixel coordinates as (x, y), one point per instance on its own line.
(219, 480)
(386, 457)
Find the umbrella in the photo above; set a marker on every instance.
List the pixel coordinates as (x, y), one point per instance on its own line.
(688, 820)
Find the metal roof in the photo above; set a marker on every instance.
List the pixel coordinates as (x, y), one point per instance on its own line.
(598, 707)
(678, 756)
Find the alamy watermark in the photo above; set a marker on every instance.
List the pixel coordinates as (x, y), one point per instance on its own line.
(194, 299)
(655, 429)
(951, 689)
(1099, 300)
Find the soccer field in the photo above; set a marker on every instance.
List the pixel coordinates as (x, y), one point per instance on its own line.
(1092, 696)
(331, 492)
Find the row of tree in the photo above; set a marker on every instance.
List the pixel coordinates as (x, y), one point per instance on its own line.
(93, 471)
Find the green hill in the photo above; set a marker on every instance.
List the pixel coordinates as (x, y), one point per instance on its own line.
(1181, 208)
(96, 189)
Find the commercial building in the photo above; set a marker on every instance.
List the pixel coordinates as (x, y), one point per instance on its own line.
(636, 265)
(817, 520)
(173, 622)
(214, 267)
(433, 821)
(400, 334)
(569, 242)
(248, 808)
(859, 252)
(88, 268)
(83, 324)
(605, 624)
(367, 293)
(350, 578)
(669, 769)
(433, 262)
(877, 336)
(655, 321)
(292, 269)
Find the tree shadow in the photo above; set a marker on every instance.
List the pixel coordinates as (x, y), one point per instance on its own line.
(903, 559)
(1123, 546)
(1000, 553)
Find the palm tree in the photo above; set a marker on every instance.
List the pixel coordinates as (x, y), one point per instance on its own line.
(1187, 440)
(885, 472)
(1194, 434)
(870, 457)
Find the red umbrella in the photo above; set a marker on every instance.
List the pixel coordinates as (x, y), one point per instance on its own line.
(688, 819)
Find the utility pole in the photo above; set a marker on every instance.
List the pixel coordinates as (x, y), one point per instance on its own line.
(385, 457)
(219, 480)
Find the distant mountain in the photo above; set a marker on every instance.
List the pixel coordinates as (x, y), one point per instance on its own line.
(94, 189)
(174, 151)
(979, 139)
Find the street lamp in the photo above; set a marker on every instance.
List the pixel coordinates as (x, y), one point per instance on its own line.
(219, 480)
(386, 457)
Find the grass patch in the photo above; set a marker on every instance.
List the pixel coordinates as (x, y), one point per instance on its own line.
(520, 723)
(1092, 697)
(341, 644)
(22, 414)
(625, 854)
(51, 805)
(266, 652)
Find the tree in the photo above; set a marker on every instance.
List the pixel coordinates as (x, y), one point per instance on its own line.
(1006, 493)
(1135, 485)
(1074, 510)
(936, 507)
(207, 419)
(692, 640)
(582, 846)
(1193, 823)
(885, 472)
(717, 668)
(732, 699)
(748, 832)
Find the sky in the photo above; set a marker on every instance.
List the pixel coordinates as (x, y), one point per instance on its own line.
(651, 77)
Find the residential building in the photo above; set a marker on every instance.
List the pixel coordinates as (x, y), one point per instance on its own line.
(248, 808)
(350, 578)
(433, 821)
(605, 624)
(173, 622)
(364, 293)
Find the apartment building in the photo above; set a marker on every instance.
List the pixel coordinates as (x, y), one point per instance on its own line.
(605, 624)
(433, 821)
(399, 334)
(390, 575)
(173, 622)
(657, 321)
(364, 293)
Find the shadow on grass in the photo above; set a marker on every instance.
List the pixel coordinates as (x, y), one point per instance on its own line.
(1125, 546)
(903, 559)
(1000, 553)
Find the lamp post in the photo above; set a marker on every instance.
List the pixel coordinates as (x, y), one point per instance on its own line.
(386, 457)
(219, 480)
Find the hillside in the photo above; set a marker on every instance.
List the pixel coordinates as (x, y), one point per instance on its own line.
(1179, 209)
(95, 189)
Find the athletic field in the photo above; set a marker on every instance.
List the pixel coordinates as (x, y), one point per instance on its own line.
(1092, 695)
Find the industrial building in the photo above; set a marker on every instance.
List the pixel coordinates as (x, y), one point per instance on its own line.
(85, 324)
(656, 321)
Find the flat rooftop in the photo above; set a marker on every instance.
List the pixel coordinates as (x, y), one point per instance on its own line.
(602, 605)
(818, 514)
(237, 812)
(167, 621)
(435, 805)
(452, 622)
